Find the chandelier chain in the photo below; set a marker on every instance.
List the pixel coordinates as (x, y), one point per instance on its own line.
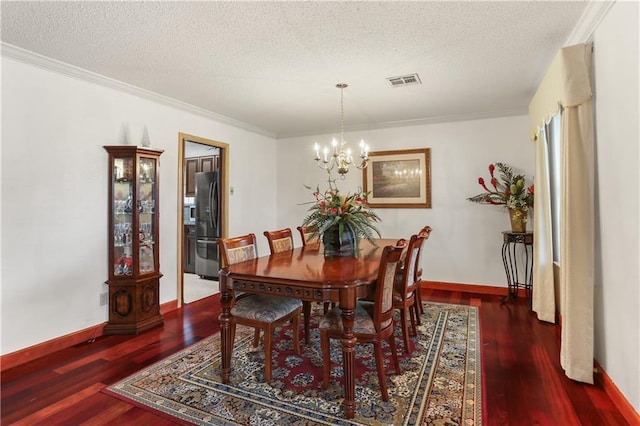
(342, 112)
(341, 157)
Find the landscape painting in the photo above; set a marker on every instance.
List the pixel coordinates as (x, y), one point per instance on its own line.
(399, 179)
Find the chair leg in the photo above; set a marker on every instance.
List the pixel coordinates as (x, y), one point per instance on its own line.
(268, 337)
(419, 299)
(382, 378)
(327, 305)
(306, 307)
(326, 367)
(416, 309)
(296, 334)
(413, 315)
(256, 337)
(405, 329)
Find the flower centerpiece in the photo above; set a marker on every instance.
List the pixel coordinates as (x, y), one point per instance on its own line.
(510, 191)
(341, 219)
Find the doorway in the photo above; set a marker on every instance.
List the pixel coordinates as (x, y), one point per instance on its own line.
(197, 154)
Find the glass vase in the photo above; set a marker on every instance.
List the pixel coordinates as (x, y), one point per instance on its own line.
(336, 246)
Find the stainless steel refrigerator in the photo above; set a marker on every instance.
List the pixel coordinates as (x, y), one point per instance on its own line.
(207, 224)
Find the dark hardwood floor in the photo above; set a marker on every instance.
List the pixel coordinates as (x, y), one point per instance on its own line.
(524, 384)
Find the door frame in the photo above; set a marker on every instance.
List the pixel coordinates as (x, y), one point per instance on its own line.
(224, 179)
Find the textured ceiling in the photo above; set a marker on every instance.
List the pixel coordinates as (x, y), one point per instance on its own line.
(274, 65)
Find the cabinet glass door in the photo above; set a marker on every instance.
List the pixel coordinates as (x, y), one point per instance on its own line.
(123, 215)
(147, 217)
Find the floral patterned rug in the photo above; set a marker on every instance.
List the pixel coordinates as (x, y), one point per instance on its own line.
(440, 381)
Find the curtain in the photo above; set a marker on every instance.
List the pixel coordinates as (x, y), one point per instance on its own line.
(576, 242)
(567, 84)
(544, 302)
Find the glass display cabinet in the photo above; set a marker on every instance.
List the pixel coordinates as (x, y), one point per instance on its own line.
(134, 270)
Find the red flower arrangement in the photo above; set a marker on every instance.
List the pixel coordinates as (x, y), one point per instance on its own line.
(350, 211)
(509, 191)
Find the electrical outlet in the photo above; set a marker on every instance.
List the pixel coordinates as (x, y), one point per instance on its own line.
(104, 299)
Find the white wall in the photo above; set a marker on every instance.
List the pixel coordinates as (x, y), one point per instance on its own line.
(54, 194)
(466, 241)
(617, 285)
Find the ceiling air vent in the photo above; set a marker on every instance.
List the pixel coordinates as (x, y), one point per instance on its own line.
(404, 80)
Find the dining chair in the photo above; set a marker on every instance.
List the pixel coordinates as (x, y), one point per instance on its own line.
(260, 311)
(419, 278)
(307, 236)
(373, 321)
(407, 286)
(280, 241)
(308, 239)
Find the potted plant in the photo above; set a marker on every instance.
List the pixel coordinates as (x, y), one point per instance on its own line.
(509, 190)
(341, 220)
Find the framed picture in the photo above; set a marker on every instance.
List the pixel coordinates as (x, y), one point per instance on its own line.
(399, 179)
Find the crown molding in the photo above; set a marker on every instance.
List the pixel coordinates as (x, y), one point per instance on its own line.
(44, 62)
(589, 21)
(49, 64)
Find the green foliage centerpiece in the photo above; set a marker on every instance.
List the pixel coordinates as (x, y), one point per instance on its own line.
(341, 220)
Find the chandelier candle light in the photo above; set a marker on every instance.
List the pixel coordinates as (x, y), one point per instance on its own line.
(341, 156)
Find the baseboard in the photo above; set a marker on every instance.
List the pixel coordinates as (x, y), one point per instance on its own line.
(626, 409)
(169, 306)
(469, 288)
(31, 353)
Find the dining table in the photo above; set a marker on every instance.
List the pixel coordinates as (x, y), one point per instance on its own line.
(305, 273)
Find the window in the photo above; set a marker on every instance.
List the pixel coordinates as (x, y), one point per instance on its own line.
(554, 138)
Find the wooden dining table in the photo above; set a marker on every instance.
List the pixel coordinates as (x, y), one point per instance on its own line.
(306, 274)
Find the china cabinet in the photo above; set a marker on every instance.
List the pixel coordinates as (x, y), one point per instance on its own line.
(134, 270)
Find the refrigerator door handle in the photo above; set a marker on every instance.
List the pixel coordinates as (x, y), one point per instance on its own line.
(213, 201)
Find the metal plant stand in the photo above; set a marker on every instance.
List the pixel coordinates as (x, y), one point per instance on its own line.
(514, 265)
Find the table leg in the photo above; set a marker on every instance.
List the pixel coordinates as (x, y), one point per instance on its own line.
(347, 305)
(226, 348)
(306, 308)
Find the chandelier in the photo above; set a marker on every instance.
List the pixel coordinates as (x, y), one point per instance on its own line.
(340, 156)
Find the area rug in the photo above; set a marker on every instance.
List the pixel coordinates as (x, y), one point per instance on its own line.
(440, 381)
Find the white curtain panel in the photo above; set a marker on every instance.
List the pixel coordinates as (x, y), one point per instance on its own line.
(567, 85)
(577, 242)
(544, 301)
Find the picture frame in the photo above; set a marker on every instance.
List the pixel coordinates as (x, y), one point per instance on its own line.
(398, 179)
